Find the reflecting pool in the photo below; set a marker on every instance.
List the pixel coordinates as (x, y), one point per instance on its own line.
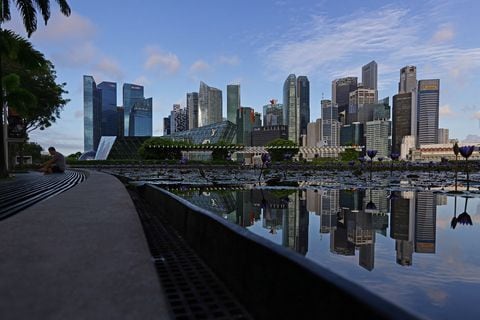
(417, 249)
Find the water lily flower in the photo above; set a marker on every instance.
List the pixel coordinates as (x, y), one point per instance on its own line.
(371, 153)
(466, 151)
(394, 156)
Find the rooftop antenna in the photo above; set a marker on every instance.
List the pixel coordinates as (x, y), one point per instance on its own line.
(322, 96)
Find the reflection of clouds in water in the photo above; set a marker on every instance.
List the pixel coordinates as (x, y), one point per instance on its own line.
(438, 297)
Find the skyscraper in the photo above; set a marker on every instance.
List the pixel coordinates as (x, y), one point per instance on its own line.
(358, 99)
(369, 77)
(192, 110)
(209, 105)
(377, 137)
(178, 119)
(109, 108)
(233, 101)
(273, 114)
(120, 122)
(341, 89)
(401, 119)
(330, 124)
(443, 136)
(132, 93)
(408, 79)
(291, 113)
(303, 96)
(92, 114)
(245, 122)
(140, 121)
(166, 126)
(425, 222)
(428, 111)
(314, 133)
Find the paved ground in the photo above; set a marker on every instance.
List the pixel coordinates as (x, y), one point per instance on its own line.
(79, 255)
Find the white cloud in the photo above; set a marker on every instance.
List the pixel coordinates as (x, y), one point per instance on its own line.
(142, 80)
(471, 138)
(61, 28)
(444, 34)
(229, 60)
(108, 68)
(78, 114)
(446, 111)
(476, 115)
(199, 66)
(73, 56)
(396, 36)
(157, 59)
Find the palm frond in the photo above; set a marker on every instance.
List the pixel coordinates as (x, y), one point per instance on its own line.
(44, 7)
(5, 11)
(28, 13)
(64, 7)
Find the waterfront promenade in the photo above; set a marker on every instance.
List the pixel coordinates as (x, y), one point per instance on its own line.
(81, 254)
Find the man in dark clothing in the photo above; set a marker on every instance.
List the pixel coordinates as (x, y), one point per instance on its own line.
(54, 165)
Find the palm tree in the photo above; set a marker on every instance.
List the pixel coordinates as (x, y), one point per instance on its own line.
(28, 11)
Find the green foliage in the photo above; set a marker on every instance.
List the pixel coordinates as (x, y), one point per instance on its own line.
(349, 155)
(32, 149)
(30, 82)
(74, 156)
(161, 148)
(289, 147)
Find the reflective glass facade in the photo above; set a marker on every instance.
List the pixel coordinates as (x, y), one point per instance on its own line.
(428, 110)
(141, 119)
(192, 110)
(401, 120)
(109, 108)
(217, 132)
(132, 93)
(233, 101)
(273, 114)
(245, 123)
(209, 105)
(92, 117)
(303, 95)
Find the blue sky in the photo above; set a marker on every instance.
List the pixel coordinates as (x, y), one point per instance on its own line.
(169, 46)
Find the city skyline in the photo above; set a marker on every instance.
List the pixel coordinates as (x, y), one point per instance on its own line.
(433, 36)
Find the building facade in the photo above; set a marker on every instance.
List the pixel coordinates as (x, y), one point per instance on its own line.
(341, 89)
(376, 137)
(303, 96)
(132, 93)
(92, 114)
(178, 119)
(352, 134)
(314, 134)
(369, 77)
(408, 79)
(330, 124)
(443, 136)
(273, 114)
(261, 136)
(401, 119)
(233, 101)
(428, 111)
(245, 123)
(291, 112)
(140, 122)
(192, 109)
(358, 99)
(209, 105)
(109, 108)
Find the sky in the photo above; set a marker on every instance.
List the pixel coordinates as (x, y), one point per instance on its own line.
(170, 46)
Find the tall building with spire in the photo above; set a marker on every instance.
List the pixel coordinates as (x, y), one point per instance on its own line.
(209, 105)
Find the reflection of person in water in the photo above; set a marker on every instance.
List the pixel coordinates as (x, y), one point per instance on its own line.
(272, 230)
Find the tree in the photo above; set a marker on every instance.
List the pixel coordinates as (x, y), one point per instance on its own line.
(281, 149)
(350, 154)
(28, 12)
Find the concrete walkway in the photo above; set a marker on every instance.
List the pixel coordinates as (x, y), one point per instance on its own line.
(79, 255)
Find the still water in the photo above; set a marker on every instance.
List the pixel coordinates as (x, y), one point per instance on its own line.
(399, 245)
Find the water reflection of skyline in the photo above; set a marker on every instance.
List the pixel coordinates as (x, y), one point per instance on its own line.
(352, 218)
